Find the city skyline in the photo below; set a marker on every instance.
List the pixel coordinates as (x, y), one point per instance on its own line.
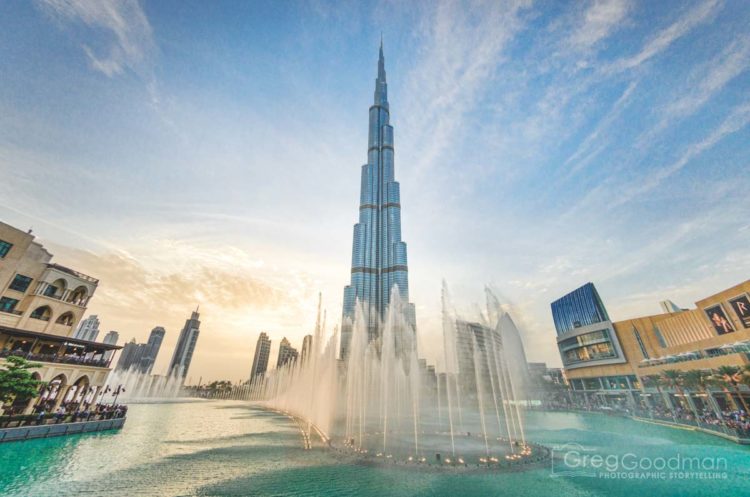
(169, 153)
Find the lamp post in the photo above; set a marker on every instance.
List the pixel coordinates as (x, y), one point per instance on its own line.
(102, 392)
(116, 393)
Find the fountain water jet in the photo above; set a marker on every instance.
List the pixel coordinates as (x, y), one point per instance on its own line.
(382, 403)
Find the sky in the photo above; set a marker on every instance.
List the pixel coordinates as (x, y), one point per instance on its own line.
(208, 153)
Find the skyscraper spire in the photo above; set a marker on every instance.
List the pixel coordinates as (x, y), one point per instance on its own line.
(379, 264)
(381, 88)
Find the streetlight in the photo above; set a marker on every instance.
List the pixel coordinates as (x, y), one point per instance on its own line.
(116, 393)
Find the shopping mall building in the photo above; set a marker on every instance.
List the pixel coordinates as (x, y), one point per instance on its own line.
(616, 363)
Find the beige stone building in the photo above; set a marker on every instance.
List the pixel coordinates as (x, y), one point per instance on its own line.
(40, 305)
(713, 334)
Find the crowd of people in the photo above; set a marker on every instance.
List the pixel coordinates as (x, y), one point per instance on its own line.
(70, 413)
(737, 421)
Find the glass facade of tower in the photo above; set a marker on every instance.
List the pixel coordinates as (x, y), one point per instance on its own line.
(183, 352)
(581, 307)
(585, 334)
(379, 262)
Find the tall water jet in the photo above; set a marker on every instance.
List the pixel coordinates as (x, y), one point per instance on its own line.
(378, 398)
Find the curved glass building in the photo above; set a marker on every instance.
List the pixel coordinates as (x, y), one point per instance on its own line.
(585, 335)
(379, 262)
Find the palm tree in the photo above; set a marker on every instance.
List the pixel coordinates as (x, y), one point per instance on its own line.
(731, 375)
(655, 380)
(701, 380)
(673, 379)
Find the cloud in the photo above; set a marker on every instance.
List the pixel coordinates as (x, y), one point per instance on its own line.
(237, 298)
(129, 283)
(460, 50)
(600, 20)
(585, 148)
(664, 38)
(129, 35)
(706, 81)
(736, 120)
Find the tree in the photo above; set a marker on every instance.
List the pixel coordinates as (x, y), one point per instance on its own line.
(654, 380)
(701, 380)
(16, 381)
(746, 375)
(674, 378)
(731, 375)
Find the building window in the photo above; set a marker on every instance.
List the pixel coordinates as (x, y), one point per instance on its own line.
(66, 319)
(640, 343)
(4, 248)
(8, 304)
(591, 384)
(43, 313)
(634, 383)
(20, 283)
(660, 337)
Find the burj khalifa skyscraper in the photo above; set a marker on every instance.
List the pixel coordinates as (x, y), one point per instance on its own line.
(379, 263)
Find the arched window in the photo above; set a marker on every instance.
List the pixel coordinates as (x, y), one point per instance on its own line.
(66, 319)
(56, 289)
(43, 313)
(78, 297)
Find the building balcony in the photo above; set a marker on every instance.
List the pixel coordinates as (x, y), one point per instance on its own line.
(68, 299)
(49, 348)
(59, 359)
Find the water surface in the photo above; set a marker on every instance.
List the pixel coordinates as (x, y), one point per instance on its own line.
(224, 448)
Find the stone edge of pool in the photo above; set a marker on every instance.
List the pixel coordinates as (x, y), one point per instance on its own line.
(19, 434)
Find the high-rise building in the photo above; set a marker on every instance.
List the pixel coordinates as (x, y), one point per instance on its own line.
(287, 353)
(151, 349)
(379, 262)
(110, 339)
(183, 352)
(484, 353)
(88, 329)
(141, 356)
(306, 347)
(262, 353)
(585, 335)
(131, 354)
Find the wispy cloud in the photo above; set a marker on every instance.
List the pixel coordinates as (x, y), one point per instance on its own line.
(588, 149)
(737, 119)
(130, 43)
(460, 50)
(600, 20)
(706, 81)
(664, 38)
